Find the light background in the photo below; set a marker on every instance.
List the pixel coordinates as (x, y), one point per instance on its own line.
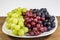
(53, 6)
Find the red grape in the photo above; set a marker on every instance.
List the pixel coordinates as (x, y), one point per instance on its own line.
(42, 29)
(34, 15)
(41, 25)
(38, 26)
(38, 17)
(40, 22)
(35, 20)
(28, 25)
(43, 19)
(31, 33)
(45, 28)
(27, 13)
(33, 23)
(30, 15)
(31, 19)
(35, 29)
(27, 18)
(37, 33)
(30, 11)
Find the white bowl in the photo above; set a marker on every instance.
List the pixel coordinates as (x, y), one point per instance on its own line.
(8, 32)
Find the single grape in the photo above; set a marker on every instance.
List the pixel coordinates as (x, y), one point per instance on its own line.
(28, 25)
(7, 19)
(21, 32)
(45, 28)
(35, 29)
(49, 28)
(10, 20)
(21, 23)
(35, 20)
(14, 15)
(8, 25)
(19, 9)
(34, 15)
(43, 19)
(48, 23)
(9, 14)
(38, 17)
(42, 29)
(17, 27)
(39, 22)
(13, 26)
(25, 29)
(21, 19)
(38, 26)
(15, 32)
(31, 33)
(33, 23)
(15, 20)
(53, 24)
(36, 33)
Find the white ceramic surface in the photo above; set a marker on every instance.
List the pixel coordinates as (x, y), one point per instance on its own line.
(8, 32)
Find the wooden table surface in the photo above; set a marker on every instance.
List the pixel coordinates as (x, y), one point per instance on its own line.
(54, 36)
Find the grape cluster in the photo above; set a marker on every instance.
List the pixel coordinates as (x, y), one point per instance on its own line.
(33, 21)
(15, 22)
(38, 21)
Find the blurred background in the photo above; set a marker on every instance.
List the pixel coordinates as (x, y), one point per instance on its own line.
(53, 6)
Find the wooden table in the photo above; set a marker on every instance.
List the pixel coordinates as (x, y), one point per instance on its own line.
(54, 36)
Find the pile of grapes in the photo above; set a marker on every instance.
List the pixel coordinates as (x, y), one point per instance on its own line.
(33, 22)
(15, 22)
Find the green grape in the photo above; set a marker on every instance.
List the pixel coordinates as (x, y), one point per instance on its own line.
(17, 27)
(21, 23)
(19, 13)
(10, 20)
(15, 20)
(13, 26)
(7, 19)
(21, 16)
(15, 32)
(19, 9)
(24, 10)
(21, 19)
(15, 15)
(8, 25)
(21, 27)
(25, 29)
(9, 14)
(21, 32)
